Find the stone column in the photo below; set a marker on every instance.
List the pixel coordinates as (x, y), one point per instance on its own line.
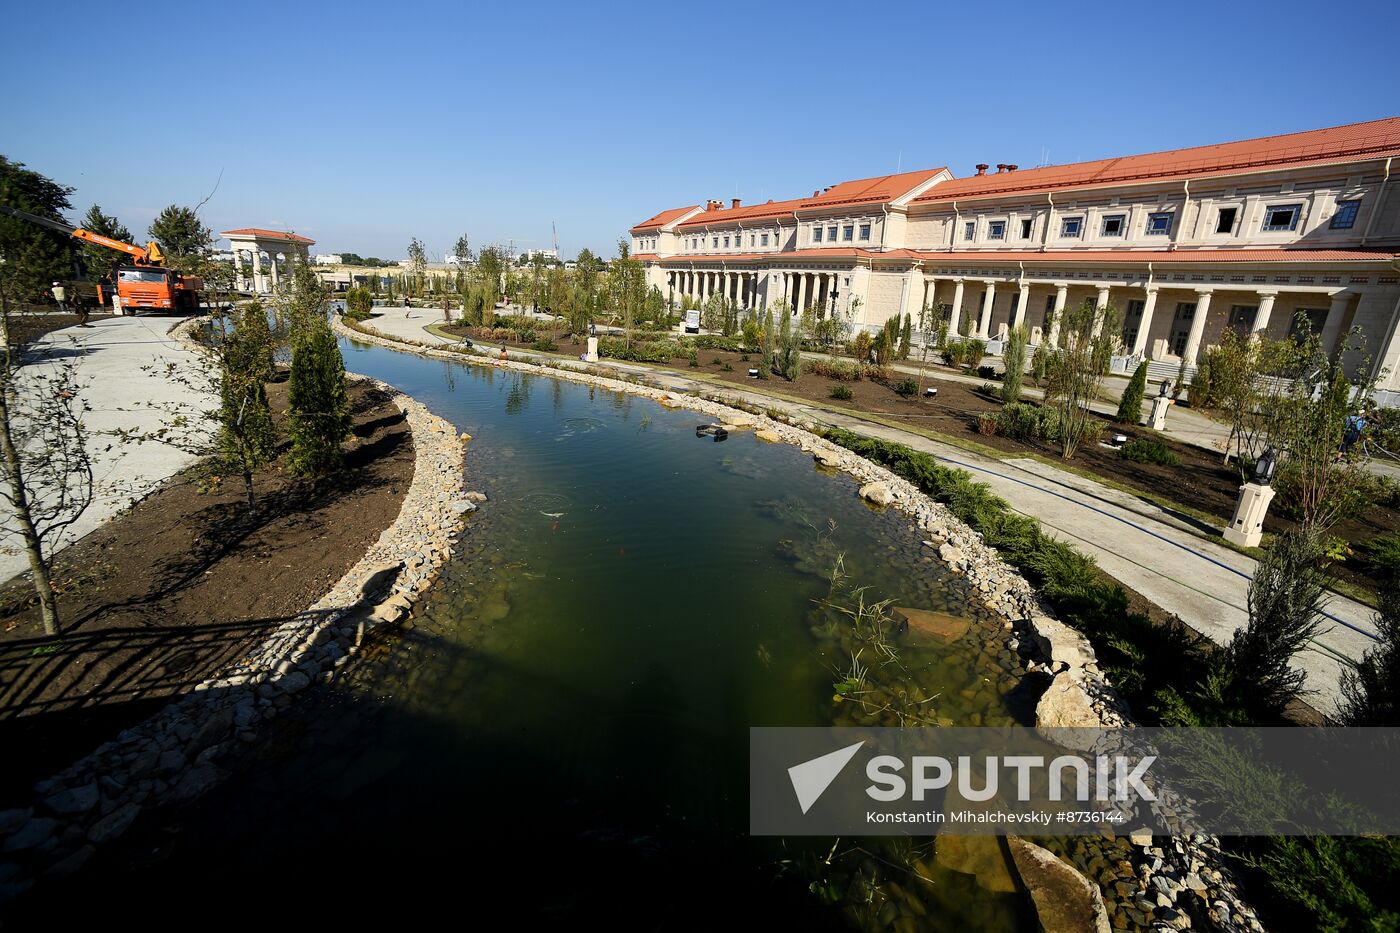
(1057, 315)
(1023, 299)
(984, 316)
(259, 280)
(1100, 303)
(1262, 314)
(1198, 326)
(1332, 327)
(800, 288)
(276, 275)
(1145, 325)
(955, 309)
(238, 270)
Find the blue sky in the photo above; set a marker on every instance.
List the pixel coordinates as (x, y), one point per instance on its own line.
(362, 125)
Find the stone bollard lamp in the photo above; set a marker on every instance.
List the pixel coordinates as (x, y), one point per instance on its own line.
(1247, 526)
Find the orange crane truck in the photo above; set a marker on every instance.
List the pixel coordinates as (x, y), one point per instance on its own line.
(144, 283)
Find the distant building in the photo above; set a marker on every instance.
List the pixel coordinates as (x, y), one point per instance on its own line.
(529, 254)
(328, 259)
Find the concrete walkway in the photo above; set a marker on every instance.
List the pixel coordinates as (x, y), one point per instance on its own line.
(121, 364)
(1171, 559)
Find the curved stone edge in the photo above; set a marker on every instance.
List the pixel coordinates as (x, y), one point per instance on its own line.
(1079, 694)
(171, 757)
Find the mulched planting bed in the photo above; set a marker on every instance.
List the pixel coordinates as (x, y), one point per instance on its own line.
(184, 583)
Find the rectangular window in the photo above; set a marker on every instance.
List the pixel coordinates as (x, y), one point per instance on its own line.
(1027, 226)
(764, 239)
(996, 229)
(1159, 224)
(1282, 216)
(969, 229)
(848, 232)
(1225, 220)
(1241, 319)
(831, 234)
(1307, 321)
(1071, 226)
(1345, 218)
(816, 234)
(714, 242)
(1113, 225)
(726, 242)
(865, 231)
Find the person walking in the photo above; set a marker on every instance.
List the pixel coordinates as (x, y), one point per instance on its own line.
(60, 296)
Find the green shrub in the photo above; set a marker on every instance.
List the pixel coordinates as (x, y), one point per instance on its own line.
(1022, 421)
(841, 392)
(1149, 450)
(906, 388)
(1130, 405)
(545, 345)
(840, 370)
(657, 351)
(358, 304)
(1383, 554)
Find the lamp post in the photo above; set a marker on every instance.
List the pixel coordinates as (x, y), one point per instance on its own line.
(1247, 525)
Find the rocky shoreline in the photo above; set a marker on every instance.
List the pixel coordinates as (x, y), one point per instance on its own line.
(173, 756)
(1175, 883)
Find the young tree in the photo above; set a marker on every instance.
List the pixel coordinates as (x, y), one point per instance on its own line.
(417, 266)
(462, 249)
(1285, 612)
(180, 233)
(99, 259)
(1013, 357)
(1078, 370)
(247, 436)
(46, 475)
(788, 359)
(905, 337)
(319, 409)
(628, 286)
(930, 316)
(765, 344)
(1130, 405)
(1371, 685)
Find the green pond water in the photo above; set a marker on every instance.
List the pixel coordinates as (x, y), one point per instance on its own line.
(559, 736)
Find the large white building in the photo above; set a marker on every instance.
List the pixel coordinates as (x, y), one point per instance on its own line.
(1183, 244)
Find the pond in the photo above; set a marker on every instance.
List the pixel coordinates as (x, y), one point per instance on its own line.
(559, 734)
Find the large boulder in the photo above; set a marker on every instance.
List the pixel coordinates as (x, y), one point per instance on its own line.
(928, 622)
(1066, 708)
(979, 856)
(1060, 643)
(1065, 901)
(877, 492)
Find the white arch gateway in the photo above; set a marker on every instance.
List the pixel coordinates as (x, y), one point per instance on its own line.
(257, 243)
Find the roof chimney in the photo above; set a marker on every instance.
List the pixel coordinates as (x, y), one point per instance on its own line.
(1012, 168)
(817, 193)
(982, 168)
(1001, 167)
(734, 203)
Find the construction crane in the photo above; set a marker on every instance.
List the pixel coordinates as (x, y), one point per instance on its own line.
(143, 282)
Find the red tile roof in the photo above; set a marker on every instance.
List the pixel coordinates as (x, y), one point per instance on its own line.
(665, 217)
(1373, 139)
(1061, 257)
(262, 234)
(727, 215)
(866, 190)
(860, 191)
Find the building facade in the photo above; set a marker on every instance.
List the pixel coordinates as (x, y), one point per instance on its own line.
(1182, 245)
